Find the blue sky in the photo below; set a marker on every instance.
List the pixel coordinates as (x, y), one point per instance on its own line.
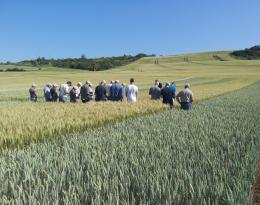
(69, 28)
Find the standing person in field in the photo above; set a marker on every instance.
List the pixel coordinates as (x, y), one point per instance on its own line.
(115, 91)
(168, 95)
(185, 97)
(122, 92)
(64, 91)
(155, 91)
(100, 91)
(108, 86)
(91, 92)
(86, 92)
(131, 91)
(47, 92)
(173, 87)
(32, 91)
(79, 84)
(73, 94)
(54, 92)
(160, 85)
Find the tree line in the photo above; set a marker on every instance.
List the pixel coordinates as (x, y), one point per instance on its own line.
(91, 64)
(252, 53)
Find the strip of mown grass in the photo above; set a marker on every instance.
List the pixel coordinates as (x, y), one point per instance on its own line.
(204, 156)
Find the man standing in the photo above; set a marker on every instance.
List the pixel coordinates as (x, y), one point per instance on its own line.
(32, 91)
(47, 92)
(131, 91)
(115, 91)
(173, 87)
(73, 94)
(185, 98)
(64, 91)
(122, 92)
(155, 91)
(86, 92)
(108, 86)
(168, 95)
(100, 91)
(79, 84)
(54, 93)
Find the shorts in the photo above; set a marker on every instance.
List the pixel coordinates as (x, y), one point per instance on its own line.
(169, 101)
(186, 106)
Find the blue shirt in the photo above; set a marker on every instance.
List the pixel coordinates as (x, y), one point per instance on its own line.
(115, 92)
(173, 88)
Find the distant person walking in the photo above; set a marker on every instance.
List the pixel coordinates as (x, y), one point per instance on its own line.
(47, 92)
(100, 91)
(131, 91)
(185, 98)
(64, 91)
(155, 91)
(54, 92)
(32, 91)
(168, 95)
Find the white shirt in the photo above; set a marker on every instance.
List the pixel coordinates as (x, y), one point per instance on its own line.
(64, 90)
(131, 91)
(108, 86)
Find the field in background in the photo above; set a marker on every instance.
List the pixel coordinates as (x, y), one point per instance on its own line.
(202, 70)
(209, 74)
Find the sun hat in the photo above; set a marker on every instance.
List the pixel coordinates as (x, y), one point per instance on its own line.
(79, 83)
(187, 85)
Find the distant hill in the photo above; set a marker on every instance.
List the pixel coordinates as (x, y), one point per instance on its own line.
(252, 53)
(94, 64)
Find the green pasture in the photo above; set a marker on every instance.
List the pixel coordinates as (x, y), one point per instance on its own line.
(201, 69)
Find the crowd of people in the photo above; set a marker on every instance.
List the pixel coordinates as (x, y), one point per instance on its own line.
(168, 94)
(113, 91)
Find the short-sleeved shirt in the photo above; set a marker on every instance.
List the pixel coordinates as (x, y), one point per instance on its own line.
(155, 93)
(33, 94)
(73, 95)
(86, 92)
(64, 90)
(108, 89)
(168, 95)
(186, 95)
(131, 91)
(54, 94)
(121, 93)
(173, 87)
(115, 92)
(47, 94)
